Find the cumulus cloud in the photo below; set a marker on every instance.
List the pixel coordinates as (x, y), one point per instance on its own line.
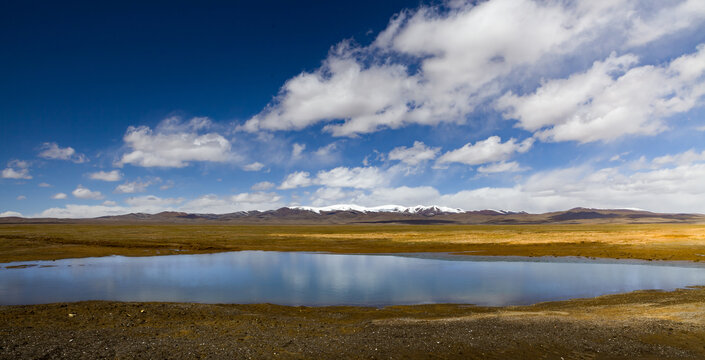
(368, 97)
(436, 63)
(17, 169)
(255, 166)
(342, 177)
(152, 202)
(329, 196)
(44, 185)
(59, 196)
(610, 100)
(85, 211)
(174, 144)
(489, 150)
(675, 188)
(684, 158)
(132, 187)
(403, 195)
(295, 180)
(142, 204)
(10, 213)
(113, 175)
(500, 167)
(85, 193)
(52, 150)
(262, 186)
(357, 177)
(21, 197)
(666, 21)
(414, 155)
(239, 202)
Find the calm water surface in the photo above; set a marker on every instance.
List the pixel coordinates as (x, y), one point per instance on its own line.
(297, 278)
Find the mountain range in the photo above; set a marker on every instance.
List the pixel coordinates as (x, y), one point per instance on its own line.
(388, 214)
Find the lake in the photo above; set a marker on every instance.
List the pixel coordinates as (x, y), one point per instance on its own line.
(316, 279)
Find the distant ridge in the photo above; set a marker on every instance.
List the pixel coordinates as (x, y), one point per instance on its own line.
(387, 214)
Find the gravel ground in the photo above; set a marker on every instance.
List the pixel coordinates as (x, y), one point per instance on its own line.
(645, 324)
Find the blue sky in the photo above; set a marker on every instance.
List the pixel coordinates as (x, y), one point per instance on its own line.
(227, 106)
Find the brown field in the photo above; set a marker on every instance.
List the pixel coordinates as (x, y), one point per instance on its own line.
(632, 241)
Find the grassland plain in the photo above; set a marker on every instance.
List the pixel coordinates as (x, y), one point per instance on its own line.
(643, 324)
(26, 242)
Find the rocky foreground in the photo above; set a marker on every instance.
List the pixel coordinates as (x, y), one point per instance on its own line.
(646, 324)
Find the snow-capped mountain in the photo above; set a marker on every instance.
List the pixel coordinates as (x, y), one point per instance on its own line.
(384, 208)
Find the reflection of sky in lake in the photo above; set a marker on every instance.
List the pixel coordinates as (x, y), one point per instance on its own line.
(294, 278)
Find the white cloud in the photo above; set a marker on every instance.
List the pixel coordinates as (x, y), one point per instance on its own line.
(84, 211)
(500, 167)
(368, 97)
(59, 196)
(676, 186)
(404, 195)
(343, 177)
(113, 175)
(174, 144)
(257, 200)
(357, 177)
(297, 149)
(44, 185)
(677, 189)
(295, 180)
(54, 151)
(264, 185)
(684, 15)
(685, 158)
(255, 166)
(132, 187)
(436, 63)
(327, 154)
(21, 197)
(85, 193)
(240, 202)
(489, 150)
(329, 196)
(10, 213)
(414, 155)
(610, 100)
(152, 202)
(17, 169)
(209, 204)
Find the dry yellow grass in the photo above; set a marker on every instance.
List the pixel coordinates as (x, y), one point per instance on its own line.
(640, 241)
(532, 234)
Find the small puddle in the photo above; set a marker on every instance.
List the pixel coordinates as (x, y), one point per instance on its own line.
(317, 279)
